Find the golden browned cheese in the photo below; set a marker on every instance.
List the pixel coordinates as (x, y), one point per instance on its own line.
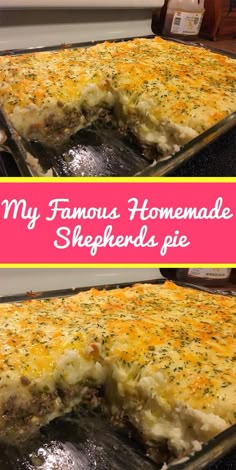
(165, 93)
(164, 355)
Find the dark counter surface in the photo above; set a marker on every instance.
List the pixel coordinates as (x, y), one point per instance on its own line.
(227, 45)
(218, 159)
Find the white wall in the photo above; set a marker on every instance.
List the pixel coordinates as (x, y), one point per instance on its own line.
(82, 3)
(48, 27)
(16, 281)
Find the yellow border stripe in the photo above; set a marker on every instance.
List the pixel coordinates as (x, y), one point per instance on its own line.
(132, 179)
(134, 265)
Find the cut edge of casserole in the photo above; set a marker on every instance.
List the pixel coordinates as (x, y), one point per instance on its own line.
(163, 92)
(163, 356)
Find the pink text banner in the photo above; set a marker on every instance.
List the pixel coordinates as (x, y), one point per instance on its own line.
(124, 223)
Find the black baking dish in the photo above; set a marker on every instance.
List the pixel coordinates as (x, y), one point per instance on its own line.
(85, 440)
(99, 150)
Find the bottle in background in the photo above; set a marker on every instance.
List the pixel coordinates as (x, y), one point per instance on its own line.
(211, 277)
(182, 18)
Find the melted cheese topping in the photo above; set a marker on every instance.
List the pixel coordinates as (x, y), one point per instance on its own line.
(165, 93)
(165, 356)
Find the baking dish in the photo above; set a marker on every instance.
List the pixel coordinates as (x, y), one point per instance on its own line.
(98, 150)
(88, 437)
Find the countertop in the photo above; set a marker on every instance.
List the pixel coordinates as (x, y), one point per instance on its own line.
(227, 45)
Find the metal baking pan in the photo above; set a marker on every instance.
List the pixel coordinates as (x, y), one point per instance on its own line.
(98, 150)
(86, 440)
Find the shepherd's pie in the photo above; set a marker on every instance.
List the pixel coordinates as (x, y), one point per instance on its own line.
(165, 93)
